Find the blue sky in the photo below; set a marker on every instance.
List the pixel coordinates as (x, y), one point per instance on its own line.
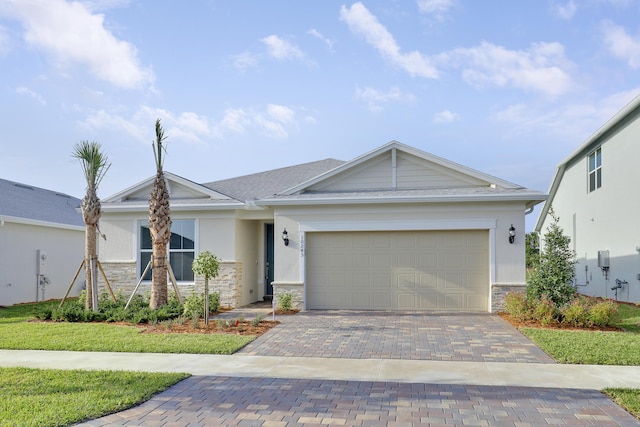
(506, 87)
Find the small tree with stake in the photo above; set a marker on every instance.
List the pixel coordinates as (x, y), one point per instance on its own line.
(553, 275)
(206, 265)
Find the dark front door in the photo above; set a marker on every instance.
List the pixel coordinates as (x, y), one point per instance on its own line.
(268, 261)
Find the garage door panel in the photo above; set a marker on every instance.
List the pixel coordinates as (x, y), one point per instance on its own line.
(399, 270)
(382, 260)
(382, 301)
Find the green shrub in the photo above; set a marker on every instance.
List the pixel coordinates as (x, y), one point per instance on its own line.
(44, 313)
(604, 313)
(545, 311)
(576, 313)
(256, 320)
(285, 302)
(517, 305)
(195, 302)
(214, 302)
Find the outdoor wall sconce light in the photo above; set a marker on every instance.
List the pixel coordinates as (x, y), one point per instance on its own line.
(285, 237)
(512, 234)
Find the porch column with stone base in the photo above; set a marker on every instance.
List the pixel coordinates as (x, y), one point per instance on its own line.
(296, 289)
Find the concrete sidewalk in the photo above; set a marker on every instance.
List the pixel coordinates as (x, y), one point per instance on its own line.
(594, 377)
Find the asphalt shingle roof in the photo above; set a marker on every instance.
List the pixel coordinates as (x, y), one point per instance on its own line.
(269, 183)
(28, 202)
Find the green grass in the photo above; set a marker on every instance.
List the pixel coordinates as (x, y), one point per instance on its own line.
(598, 348)
(35, 397)
(593, 347)
(17, 333)
(628, 398)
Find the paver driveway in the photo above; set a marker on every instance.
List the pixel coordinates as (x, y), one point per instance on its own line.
(387, 335)
(281, 402)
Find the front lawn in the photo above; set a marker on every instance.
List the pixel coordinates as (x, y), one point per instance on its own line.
(18, 333)
(598, 348)
(593, 347)
(37, 397)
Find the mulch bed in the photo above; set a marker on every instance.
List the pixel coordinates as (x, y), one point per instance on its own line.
(232, 327)
(536, 324)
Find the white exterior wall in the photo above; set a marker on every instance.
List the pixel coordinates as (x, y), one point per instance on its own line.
(605, 219)
(507, 260)
(248, 253)
(19, 243)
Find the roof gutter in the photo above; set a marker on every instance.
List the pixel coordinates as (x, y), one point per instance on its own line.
(27, 221)
(532, 199)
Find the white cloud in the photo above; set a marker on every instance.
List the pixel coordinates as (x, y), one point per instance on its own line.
(565, 11)
(376, 99)
(28, 92)
(435, 6)
(236, 120)
(276, 121)
(573, 121)
(445, 116)
(621, 44)
(70, 33)
(361, 21)
(184, 127)
(319, 36)
(280, 113)
(542, 68)
(245, 60)
(279, 48)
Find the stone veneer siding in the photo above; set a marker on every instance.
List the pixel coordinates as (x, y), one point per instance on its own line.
(123, 277)
(499, 292)
(294, 288)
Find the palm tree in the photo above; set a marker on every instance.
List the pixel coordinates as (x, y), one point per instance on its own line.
(159, 225)
(94, 165)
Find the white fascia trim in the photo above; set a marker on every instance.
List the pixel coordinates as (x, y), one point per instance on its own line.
(145, 207)
(27, 221)
(528, 197)
(395, 225)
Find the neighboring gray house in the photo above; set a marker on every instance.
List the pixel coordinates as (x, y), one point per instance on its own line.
(393, 229)
(41, 243)
(593, 195)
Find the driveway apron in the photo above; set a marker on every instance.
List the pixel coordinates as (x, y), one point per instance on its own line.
(300, 402)
(387, 335)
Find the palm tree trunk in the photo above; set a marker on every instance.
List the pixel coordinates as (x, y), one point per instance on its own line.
(159, 277)
(89, 252)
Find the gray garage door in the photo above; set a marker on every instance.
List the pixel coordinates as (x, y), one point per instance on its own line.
(398, 270)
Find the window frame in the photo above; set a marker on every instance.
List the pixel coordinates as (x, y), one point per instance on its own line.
(141, 265)
(594, 170)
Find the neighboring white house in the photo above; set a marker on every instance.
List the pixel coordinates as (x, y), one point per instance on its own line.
(41, 243)
(393, 229)
(592, 195)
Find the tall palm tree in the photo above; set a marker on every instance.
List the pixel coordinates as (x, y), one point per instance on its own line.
(159, 225)
(94, 165)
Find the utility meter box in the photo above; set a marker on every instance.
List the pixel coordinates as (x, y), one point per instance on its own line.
(41, 262)
(603, 259)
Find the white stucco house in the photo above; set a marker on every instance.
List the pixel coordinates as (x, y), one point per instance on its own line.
(593, 196)
(393, 229)
(41, 243)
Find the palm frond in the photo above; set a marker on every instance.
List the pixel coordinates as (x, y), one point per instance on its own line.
(93, 161)
(158, 147)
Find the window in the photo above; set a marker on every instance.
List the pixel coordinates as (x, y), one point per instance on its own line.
(181, 249)
(595, 170)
